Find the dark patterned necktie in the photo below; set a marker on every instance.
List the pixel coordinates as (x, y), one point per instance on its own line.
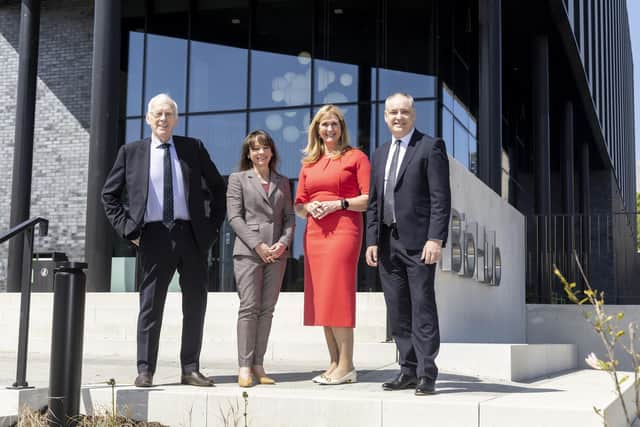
(389, 201)
(167, 193)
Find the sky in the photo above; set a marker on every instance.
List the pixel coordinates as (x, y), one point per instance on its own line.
(633, 8)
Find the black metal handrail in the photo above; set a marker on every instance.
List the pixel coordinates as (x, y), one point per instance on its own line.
(30, 223)
(26, 227)
(604, 243)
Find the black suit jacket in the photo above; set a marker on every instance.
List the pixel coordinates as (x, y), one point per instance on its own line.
(422, 193)
(204, 189)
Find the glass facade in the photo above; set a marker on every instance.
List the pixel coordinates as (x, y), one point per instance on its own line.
(459, 130)
(236, 66)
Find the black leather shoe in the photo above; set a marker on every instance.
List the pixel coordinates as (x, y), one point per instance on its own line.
(401, 382)
(425, 386)
(144, 379)
(197, 379)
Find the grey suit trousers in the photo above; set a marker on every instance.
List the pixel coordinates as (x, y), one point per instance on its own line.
(258, 286)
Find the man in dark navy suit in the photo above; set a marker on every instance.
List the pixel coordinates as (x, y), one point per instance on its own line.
(407, 226)
(168, 219)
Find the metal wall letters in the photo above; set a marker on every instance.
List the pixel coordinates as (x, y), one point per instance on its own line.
(471, 251)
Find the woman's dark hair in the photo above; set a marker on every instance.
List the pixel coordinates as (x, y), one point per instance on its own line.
(253, 140)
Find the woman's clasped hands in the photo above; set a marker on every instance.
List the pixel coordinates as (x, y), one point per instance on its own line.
(270, 254)
(319, 210)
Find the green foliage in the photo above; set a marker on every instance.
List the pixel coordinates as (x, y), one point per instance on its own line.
(608, 328)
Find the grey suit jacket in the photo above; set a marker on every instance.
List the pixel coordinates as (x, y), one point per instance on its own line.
(256, 216)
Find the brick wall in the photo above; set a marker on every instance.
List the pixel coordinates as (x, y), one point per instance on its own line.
(61, 135)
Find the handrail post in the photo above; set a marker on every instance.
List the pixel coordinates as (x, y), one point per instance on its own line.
(25, 302)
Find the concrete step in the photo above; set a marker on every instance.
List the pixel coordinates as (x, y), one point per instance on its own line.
(110, 330)
(567, 400)
(564, 400)
(12, 401)
(508, 362)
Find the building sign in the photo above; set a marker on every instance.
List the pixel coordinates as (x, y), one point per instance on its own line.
(471, 251)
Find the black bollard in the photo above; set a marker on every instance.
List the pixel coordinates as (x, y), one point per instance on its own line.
(66, 343)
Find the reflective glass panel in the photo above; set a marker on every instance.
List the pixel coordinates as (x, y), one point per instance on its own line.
(335, 82)
(473, 127)
(288, 128)
(416, 85)
(461, 113)
(447, 130)
(133, 130)
(217, 77)
(473, 155)
(166, 69)
(426, 117)
(447, 97)
(280, 80)
(461, 144)
(374, 140)
(222, 134)
(134, 74)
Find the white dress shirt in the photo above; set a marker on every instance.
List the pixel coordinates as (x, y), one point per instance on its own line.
(404, 143)
(156, 183)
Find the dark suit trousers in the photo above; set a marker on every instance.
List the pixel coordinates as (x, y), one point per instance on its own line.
(408, 288)
(161, 253)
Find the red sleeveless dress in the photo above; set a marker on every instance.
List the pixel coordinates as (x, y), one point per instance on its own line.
(332, 244)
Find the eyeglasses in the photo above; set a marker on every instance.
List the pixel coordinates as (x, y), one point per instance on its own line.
(159, 114)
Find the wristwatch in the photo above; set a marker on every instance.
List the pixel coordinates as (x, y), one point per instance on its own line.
(344, 203)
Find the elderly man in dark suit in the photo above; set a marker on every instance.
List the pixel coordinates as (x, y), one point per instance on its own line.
(407, 226)
(165, 216)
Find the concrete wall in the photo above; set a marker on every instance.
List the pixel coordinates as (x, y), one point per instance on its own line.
(110, 327)
(564, 324)
(61, 137)
(476, 312)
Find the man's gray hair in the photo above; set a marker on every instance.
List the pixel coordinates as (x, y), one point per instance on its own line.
(163, 97)
(394, 95)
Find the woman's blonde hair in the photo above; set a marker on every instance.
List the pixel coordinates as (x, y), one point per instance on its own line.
(315, 147)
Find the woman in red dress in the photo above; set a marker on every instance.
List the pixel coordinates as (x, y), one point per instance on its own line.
(332, 192)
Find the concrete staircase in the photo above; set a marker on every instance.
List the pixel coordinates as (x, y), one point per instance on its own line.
(481, 384)
(110, 328)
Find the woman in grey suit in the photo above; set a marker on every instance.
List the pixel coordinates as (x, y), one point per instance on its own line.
(260, 211)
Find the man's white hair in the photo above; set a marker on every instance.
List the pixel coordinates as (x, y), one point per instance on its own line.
(163, 98)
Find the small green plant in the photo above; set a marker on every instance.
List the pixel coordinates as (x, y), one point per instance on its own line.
(608, 328)
(231, 416)
(103, 417)
(245, 396)
(112, 383)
